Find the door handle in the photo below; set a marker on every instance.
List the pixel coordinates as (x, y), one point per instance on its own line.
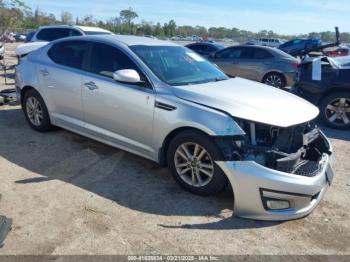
(91, 85)
(44, 72)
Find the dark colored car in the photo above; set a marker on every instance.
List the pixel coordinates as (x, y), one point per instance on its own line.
(205, 49)
(296, 46)
(331, 94)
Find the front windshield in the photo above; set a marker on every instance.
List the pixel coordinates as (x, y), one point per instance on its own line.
(176, 65)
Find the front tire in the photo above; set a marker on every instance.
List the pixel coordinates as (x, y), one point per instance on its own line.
(36, 112)
(191, 158)
(335, 110)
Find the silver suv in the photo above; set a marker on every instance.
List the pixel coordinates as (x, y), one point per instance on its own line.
(166, 103)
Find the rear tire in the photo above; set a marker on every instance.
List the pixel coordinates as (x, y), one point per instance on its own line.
(335, 110)
(36, 112)
(194, 167)
(275, 79)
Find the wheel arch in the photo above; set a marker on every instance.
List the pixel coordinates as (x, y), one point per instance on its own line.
(274, 71)
(163, 150)
(329, 91)
(24, 90)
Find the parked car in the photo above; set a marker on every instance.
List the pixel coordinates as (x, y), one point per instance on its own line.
(7, 38)
(330, 90)
(196, 38)
(166, 103)
(204, 48)
(178, 38)
(46, 34)
(271, 42)
(337, 51)
(298, 45)
(263, 64)
(20, 37)
(2, 50)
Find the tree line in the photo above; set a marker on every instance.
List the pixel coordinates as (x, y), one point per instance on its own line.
(15, 14)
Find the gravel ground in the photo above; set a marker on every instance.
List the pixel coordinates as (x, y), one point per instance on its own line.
(68, 194)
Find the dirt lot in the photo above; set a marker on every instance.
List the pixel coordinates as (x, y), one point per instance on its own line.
(68, 194)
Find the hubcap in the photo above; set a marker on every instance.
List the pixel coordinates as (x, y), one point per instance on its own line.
(274, 80)
(34, 111)
(194, 164)
(338, 111)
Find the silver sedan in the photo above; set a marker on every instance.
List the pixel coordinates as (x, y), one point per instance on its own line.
(168, 104)
(268, 65)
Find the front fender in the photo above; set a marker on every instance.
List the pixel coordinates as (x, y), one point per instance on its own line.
(188, 114)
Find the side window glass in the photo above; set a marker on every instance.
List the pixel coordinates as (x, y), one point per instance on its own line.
(230, 53)
(247, 53)
(196, 47)
(44, 35)
(107, 59)
(69, 53)
(74, 32)
(208, 48)
(51, 34)
(261, 54)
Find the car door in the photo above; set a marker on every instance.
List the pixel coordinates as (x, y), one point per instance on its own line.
(118, 112)
(228, 60)
(255, 62)
(60, 75)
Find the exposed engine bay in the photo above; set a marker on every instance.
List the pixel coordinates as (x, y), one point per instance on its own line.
(297, 150)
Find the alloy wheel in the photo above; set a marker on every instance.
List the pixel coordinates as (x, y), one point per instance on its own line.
(274, 80)
(338, 111)
(34, 111)
(194, 164)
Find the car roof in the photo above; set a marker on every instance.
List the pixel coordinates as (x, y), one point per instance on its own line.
(128, 40)
(255, 46)
(82, 28)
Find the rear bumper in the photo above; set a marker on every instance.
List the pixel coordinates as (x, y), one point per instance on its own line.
(252, 184)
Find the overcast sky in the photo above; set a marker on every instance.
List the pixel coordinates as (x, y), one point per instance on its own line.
(281, 16)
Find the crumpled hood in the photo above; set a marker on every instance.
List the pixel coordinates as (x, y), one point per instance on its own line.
(26, 48)
(250, 100)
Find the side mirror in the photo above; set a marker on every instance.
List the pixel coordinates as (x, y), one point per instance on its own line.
(127, 76)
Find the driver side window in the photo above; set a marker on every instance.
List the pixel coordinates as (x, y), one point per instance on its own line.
(107, 59)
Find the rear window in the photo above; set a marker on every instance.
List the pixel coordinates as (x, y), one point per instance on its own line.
(69, 53)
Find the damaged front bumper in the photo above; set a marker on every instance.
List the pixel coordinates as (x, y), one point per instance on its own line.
(267, 194)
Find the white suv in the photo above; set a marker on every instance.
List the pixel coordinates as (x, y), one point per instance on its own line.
(46, 34)
(271, 42)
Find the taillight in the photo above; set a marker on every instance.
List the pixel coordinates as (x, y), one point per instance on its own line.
(296, 65)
